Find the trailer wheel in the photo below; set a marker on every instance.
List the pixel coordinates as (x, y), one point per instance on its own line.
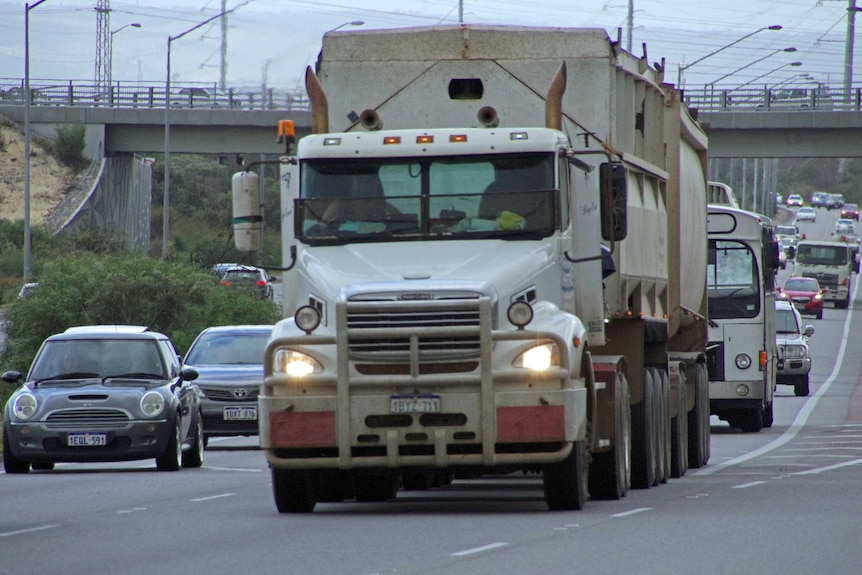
(662, 386)
(679, 434)
(292, 491)
(698, 420)
(610, 471)
(644, 436)
(566, 482)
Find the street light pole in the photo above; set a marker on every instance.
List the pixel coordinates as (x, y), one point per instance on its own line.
(684, 67)
(352, 23)
(27, 238)
(166, 209)
(111, 48)
(768, 73)
(791, 49)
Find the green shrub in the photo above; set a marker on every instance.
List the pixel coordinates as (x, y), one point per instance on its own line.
(69, 145)
(177, 299)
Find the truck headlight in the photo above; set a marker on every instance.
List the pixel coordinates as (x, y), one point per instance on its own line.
(520, 314)
(795, 351)
(294, 363)
(307, 318)
(152, 404)
(539, 358)
(25, 406)
(743, 361)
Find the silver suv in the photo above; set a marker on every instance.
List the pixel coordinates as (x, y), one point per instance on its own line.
(794, 361)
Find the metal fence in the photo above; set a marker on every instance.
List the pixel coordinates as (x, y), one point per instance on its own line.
(783, 99)
(139, 95)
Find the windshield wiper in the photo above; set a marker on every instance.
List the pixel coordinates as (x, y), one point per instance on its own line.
(67, 377)
(135, 375)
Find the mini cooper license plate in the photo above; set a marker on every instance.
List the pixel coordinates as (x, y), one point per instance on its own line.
(244, 413)
(86, 439)
(414, 404)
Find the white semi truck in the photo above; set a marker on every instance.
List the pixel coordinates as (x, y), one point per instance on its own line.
(495, 242)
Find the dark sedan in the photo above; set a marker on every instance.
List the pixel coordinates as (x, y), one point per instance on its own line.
(229, 361)
(103, 393)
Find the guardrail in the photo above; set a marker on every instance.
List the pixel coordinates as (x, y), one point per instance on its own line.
(139, 95)
(783, 99)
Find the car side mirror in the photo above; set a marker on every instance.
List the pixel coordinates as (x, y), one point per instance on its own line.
(808, 330)
(11, 376)
(188, 374)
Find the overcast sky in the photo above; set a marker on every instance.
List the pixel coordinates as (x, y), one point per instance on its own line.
(273, 40)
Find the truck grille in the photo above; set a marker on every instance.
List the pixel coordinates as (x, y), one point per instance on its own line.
(825, 279)
(441, 329)
(86, 418)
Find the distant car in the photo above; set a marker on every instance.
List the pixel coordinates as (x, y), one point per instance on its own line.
(250, 279)
(834, 202)
(818, 199)
(787, 251)
(779, 199)
(844, 227)
(794, 359)
(788, 231)
(103, 393)
(794, 200)
(806, 214)
(220, 269)
(805, 294)
(850, 211)
(229, 362)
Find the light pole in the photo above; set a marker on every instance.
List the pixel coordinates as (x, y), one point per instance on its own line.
(684, 67)
(166, 202)
(740, 69)
(27, 239)
(768, 73)
(352, 23)
(111, 47)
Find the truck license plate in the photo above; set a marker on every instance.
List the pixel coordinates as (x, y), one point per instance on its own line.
(244, 413)
(86, 439)
(414, 404)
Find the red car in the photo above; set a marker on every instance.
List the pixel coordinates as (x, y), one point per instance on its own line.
(805, 294)
(850, 211)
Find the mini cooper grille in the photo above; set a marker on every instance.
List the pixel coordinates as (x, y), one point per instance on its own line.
(429, 326)
(230, 394)
(87, 417)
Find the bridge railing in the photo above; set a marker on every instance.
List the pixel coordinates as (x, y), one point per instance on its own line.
(140, 95)
(777, 98)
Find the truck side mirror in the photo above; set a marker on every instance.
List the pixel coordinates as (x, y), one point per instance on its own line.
(614, 201)
(247, 218)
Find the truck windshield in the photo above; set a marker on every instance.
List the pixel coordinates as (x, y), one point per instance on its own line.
(382, 199)
(821, 255)
(733, 288)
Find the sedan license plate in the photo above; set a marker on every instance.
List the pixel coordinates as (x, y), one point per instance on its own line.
(86, 439)
(414, 404)
(243, 413)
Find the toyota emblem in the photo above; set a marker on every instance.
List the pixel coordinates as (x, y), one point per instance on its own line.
(240, 393)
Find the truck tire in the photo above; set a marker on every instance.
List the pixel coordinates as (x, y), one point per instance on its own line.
(679, 434)
(800, 387)
(610, 471)
(662, 384)
(566, 482)
(644, 436)
(292, 490)
(698, 420)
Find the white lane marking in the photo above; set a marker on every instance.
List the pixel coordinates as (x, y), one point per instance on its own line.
(132, 510)
(240, 469)
(804, 413)
(478, 549)
(747, 485)
(31, 530)
(211, 497)
(632, 512)
(829, 467)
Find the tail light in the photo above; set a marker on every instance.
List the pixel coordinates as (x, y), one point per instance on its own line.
(260, 283)
(225, 282)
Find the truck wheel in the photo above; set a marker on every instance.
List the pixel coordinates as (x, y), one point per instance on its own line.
(610, 471)
(292, 491)
(660, 380)
(12, 464)
(698, 420)
(800, 388)
(374, 488)
(565, 482)
(643, 436)
(679, 434)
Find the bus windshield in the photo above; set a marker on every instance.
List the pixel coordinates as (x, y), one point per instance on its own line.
(385, 199)
(733, 286)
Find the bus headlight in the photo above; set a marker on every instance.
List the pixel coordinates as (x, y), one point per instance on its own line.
(539, 358)
(294, 363)
(743, 361)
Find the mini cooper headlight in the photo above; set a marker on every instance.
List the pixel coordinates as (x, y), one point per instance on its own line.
(539, 358)
(743, 361)
(152, 403)
(294, 363)
(25, 406)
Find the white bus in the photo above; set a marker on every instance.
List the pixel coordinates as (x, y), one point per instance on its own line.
(742, 357)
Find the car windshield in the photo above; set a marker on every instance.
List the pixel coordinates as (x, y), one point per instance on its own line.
(821, 255)
(801, 284)
(785, 231)
(391, 199)
(67, 359)
(785, 321)
(228, 349)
